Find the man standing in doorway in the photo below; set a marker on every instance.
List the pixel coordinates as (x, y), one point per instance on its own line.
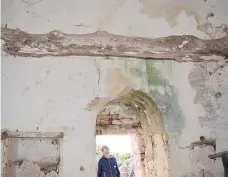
(107, 165)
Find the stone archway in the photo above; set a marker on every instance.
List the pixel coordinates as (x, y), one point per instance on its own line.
(135, 112)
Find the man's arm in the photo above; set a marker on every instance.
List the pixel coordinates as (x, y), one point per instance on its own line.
(117, 169)
(99, 169)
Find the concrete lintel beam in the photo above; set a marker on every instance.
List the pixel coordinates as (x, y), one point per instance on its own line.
(56, 43)
(20, 134)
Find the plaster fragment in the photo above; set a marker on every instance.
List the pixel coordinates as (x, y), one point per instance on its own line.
(183, 43)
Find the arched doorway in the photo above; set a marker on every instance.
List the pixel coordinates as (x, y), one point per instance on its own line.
(135, 112)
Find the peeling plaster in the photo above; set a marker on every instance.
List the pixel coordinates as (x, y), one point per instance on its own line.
(101, 43)
(188, 100)
(32, 155)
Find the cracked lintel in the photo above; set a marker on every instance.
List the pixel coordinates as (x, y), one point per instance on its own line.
(56, 43)
(20, 134)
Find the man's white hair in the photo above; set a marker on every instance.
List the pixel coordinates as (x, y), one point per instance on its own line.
(104, 147)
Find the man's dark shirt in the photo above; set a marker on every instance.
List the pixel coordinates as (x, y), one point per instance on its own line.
(108, 167)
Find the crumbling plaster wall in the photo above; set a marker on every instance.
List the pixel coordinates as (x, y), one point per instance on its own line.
(148, 18)
(198, 111)
(33, 157)
(55, 98)
(52, 93)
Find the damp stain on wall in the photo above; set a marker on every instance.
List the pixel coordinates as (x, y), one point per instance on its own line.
(159, 89)
(169, 10)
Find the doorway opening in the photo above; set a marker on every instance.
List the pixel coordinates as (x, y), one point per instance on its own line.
(134, 113)
(120, 148)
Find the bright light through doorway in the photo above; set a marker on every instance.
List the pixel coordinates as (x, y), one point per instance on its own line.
(117, 144)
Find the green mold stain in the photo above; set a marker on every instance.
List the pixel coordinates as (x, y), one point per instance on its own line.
(168, 103)
(110, 58)
(136, 72)
(125, 64)
(149, 72)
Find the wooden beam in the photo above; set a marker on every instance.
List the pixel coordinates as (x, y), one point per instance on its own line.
(218, 155)
(56, 43)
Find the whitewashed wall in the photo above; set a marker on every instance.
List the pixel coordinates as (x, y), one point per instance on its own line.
(52, 93)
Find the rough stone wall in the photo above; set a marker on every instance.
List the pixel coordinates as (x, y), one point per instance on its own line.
(53, 93)
(138, 149)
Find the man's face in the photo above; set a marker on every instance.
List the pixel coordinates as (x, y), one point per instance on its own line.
(106, 151)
